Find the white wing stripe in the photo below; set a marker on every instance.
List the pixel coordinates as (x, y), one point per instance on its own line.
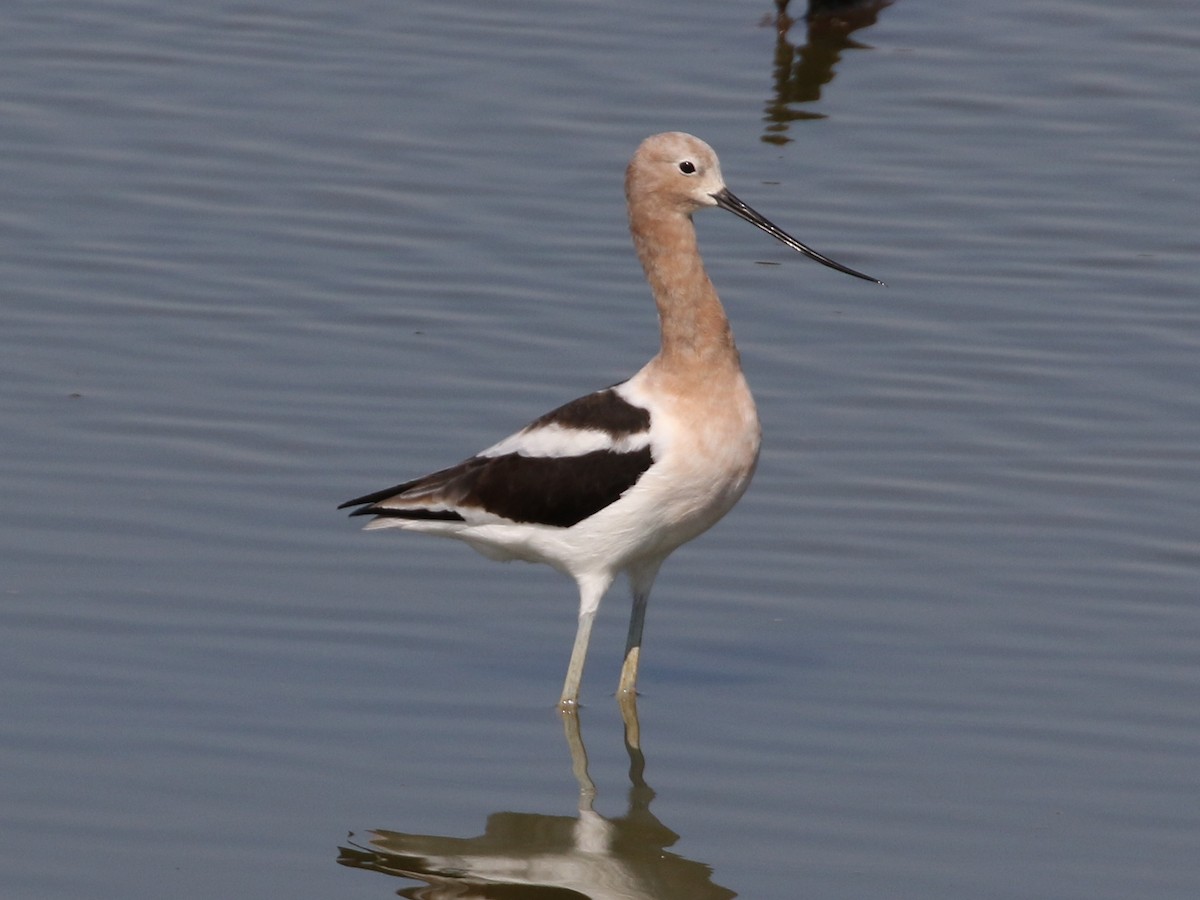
(554, 440)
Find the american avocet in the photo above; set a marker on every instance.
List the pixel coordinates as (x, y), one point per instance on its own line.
(618, 479)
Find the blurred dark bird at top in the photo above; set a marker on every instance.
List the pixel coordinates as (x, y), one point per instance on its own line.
(801, 72)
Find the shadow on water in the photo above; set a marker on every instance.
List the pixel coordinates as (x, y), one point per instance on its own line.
(529, 855)
(801, 72)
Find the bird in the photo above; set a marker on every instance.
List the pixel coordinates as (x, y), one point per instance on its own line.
(616, 480)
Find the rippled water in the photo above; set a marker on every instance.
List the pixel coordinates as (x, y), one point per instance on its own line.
(260, 258)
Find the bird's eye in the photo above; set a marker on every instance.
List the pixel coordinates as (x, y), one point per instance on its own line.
(687, 167)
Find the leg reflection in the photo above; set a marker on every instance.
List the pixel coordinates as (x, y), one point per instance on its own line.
(546, 855)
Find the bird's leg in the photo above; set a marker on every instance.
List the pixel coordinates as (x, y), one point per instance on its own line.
(570, 691)
(633, 647)
(629, 715)
(591, 590)
(641, 579)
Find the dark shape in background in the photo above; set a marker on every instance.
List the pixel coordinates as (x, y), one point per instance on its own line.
(801, 72)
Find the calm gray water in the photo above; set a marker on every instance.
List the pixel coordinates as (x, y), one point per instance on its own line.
(259, 258)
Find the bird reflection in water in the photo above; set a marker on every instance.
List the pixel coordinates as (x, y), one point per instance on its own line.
(801, 72)
(542, 857)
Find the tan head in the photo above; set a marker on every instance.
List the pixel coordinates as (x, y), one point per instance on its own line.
(677, 173)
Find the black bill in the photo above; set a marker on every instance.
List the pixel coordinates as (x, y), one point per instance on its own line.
(726, 200)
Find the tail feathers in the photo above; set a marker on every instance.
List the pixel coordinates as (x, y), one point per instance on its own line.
(443, 515)
(433, 497)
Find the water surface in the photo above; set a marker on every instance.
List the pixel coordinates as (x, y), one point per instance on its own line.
(261, 258)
